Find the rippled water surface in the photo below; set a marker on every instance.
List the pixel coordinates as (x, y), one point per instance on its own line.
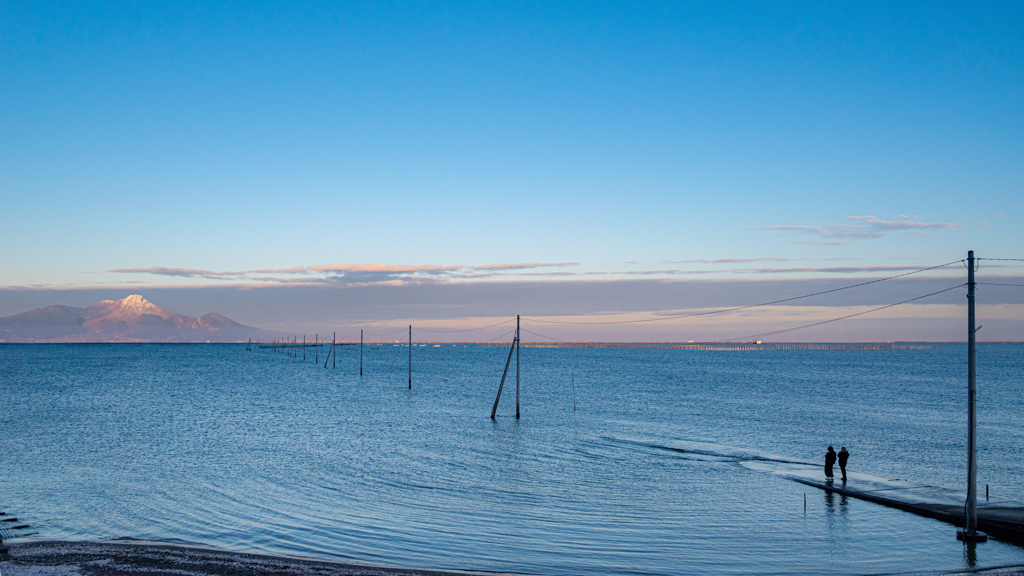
(256, 451)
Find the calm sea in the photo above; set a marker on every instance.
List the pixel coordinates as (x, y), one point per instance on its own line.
(255, 451)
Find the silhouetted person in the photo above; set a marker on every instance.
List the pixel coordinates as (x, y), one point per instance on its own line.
(843, 457)
(830, 460)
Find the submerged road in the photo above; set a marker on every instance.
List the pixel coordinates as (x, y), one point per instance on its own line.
(1002, 519)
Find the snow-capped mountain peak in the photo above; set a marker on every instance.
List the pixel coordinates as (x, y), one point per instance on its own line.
(130, 319)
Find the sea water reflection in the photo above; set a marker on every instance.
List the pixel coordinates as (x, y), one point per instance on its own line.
(216, 446)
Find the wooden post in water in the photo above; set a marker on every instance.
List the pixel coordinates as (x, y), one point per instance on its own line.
(970, 532)
(360, 352)
(334, 352)
(517, 366)
(303, 347)
(410, 356)
(316, 349)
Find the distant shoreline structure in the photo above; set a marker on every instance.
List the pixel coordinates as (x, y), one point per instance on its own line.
(563, 345)
(726, 345)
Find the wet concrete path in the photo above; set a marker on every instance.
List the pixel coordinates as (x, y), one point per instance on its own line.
(1002, 519)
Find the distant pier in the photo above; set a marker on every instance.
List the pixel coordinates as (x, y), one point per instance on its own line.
(713, 346)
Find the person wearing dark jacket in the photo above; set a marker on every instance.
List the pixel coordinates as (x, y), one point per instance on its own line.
(843, 457)
(830, 460)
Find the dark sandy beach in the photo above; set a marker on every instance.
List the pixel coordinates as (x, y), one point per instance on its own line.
(115, 559)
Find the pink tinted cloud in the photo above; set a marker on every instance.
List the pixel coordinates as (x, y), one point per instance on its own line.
(353, 273)
(183, 272)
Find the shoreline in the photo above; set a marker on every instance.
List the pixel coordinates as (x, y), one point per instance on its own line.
(73, 558)
(131, 558)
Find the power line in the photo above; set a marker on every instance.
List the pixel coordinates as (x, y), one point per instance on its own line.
(543, 336)
(388, 334)
(453, 331)
(498, 337)
(749, 306)
(1003, 259)
(997, 284)
(841, 317)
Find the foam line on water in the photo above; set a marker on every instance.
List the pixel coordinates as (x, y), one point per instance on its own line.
(708, 449)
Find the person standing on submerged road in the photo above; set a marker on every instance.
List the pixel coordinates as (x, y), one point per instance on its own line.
(830, 460)
(843, 457)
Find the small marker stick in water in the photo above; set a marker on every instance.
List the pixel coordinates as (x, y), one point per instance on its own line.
(573, 378)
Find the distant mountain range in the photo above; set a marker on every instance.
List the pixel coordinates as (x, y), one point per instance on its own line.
(131, 319)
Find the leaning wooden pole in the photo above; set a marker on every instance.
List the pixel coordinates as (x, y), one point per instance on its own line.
(360, 352)
(334, 353)
(494, 410)
(517, 366)
(410, 356)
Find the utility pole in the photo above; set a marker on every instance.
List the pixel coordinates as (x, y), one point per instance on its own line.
(360, 352)
(970, 532)
(335, 361)
(410, 356)
(517, 366)
(303, 347)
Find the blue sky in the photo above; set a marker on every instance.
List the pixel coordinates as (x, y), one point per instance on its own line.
(183, 144)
